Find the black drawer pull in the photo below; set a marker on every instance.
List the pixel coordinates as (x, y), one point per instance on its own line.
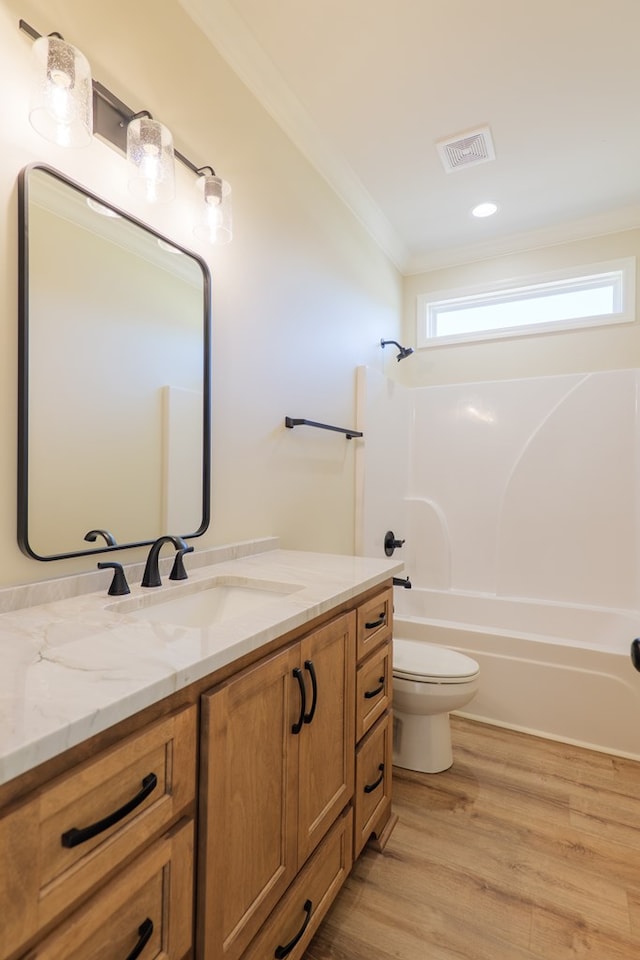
(308, 665)
(144, 932)
(370, 694)
(376, 623)
(370, 787)
(77, 835)
(297, 726)
(288, 947)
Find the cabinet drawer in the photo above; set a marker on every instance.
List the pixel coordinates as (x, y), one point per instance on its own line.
(373, 781)
(373, 689)
(375, 622)
(76, 831)
(298, 915)
(148, 907)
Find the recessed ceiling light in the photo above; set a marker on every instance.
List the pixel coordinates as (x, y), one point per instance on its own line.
(169, 247)
(101, 209)
(485, 209)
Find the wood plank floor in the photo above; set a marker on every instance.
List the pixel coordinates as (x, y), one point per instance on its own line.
(524, 850)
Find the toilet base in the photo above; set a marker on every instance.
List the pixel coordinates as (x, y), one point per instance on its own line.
(422, 743)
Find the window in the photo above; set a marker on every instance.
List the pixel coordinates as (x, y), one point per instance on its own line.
(587, 296)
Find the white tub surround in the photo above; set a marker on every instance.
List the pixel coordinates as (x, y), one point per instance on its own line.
(75, 666)
(519, 504)
(518, 488)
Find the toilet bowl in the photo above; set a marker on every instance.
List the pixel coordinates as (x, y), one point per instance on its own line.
(428, 682)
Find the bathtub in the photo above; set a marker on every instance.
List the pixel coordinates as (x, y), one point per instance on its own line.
(553, 670)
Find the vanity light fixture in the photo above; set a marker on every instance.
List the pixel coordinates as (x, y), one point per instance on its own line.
(214, 225)
(61, 107)
(59, 114)
(150, 154)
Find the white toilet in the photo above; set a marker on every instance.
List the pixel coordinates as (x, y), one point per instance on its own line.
(428, 682)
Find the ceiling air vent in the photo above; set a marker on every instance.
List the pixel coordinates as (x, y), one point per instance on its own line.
(466, 149)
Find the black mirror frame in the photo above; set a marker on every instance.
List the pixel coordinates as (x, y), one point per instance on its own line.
(23, 372)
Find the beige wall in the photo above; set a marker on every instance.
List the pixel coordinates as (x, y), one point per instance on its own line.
(605, 348)
(300, 298)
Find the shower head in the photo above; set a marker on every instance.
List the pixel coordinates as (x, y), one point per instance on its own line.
(404, 351)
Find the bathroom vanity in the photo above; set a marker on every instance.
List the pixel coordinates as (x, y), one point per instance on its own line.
(194, 791)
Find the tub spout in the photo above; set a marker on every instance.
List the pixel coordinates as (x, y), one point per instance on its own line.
(400, 582)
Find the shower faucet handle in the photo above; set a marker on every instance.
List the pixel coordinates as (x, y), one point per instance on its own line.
(390, 543)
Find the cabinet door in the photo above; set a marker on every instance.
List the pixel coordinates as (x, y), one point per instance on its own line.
(327, 739)
(247, 846)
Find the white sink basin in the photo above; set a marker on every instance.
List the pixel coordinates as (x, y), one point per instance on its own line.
(205, 603)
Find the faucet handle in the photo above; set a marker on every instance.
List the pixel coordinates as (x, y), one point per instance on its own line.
(178, 571)
(390, 543)
(119, 586)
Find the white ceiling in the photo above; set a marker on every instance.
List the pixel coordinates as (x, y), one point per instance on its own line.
(365, 88)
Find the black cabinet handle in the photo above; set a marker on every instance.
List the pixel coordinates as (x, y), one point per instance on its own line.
(297, 726)
(370, 694)
(77, 835)
(370, 787)
(144, 932)
(288, 947)
(308, 665)
(376, 623)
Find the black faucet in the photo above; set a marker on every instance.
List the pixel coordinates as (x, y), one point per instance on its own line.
(93, 535)
(151, 576)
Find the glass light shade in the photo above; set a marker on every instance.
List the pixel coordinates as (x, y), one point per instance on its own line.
(151, 160)
(214, 225)
(61, 107)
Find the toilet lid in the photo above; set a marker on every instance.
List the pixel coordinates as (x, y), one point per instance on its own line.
(414, 660)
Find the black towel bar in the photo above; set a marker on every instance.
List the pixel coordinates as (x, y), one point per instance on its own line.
(292, 422)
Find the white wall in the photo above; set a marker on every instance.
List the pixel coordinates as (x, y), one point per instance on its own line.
(604, 348)
(300, 298)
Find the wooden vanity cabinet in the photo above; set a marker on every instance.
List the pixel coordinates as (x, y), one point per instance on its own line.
(101, 851)
(276, 772)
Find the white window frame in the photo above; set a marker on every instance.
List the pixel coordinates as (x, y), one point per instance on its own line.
(623, 271)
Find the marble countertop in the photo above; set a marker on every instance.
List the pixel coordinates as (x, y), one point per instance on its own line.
(74, 666)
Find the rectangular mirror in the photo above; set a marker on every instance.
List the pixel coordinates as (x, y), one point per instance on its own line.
(114, 376)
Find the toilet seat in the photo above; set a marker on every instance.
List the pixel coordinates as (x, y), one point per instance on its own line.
(429, 663)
